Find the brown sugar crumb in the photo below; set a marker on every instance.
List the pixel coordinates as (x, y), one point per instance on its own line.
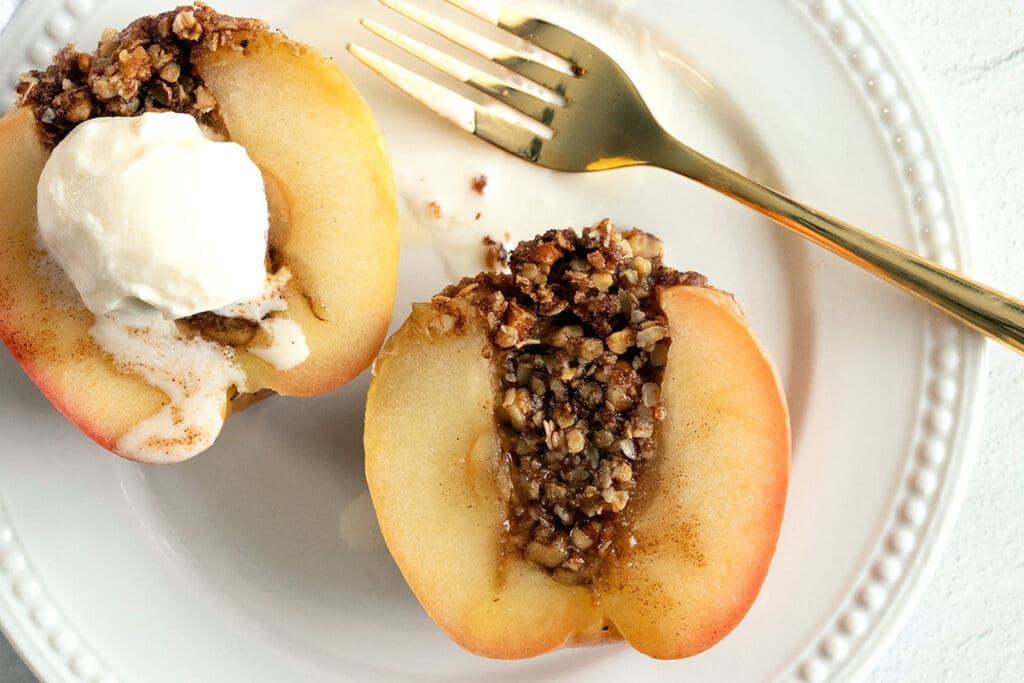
(435, 210)
(580, 343)
(479, 184)
(221, 329)
(145, 67)
(495, 254)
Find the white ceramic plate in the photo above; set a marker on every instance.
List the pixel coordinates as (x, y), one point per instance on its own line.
(261, 559)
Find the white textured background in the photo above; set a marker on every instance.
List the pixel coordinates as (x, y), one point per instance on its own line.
(969, 625)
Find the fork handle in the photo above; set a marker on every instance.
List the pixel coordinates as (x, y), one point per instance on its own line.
(982, 308)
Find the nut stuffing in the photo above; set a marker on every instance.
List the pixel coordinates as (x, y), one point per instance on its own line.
(580, 341)
(146, 67)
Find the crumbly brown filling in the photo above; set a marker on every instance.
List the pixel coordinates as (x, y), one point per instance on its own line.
(221, 329)
(145, 67)
(580, 341)
(495, 254)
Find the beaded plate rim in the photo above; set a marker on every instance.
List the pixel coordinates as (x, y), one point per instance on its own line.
(921, 517)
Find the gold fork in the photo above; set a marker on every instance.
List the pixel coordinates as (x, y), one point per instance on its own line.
(581, 112)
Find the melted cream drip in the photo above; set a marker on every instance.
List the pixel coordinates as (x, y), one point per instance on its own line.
(270, 301)
(288, 345)
(194, 373)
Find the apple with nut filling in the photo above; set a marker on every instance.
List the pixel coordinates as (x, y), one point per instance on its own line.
(330, 191)
(594, 447)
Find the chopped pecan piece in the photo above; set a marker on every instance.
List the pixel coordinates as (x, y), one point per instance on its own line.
(145, 67)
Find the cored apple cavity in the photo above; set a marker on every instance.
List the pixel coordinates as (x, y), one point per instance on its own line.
(578, 343)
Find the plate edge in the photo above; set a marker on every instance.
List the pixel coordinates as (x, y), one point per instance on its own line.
(918, 133)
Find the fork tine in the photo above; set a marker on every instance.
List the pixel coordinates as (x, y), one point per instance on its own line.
(525, 96)
(467, 115)
(548, 70)
(440, 100)
(543, 34)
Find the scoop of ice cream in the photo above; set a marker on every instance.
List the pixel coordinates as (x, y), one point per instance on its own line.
(148, 209)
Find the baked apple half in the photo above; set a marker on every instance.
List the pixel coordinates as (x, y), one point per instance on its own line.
(591, 447)
(333, 224)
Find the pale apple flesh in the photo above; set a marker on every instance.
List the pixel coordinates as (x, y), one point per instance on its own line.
(334, 216)
(704, 523)
(434, 469)
(711, 503)
(334, 224)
